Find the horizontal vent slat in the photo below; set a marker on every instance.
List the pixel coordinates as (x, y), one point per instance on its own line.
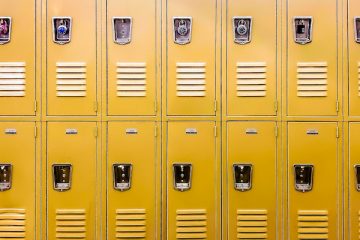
(191, 223)
(313, 224)
(191, 79)
(251, 79)
(12, 223)
(252, 223)
(130, 223)
(312, 79)
(71, 79)
(131, 79)
(70, 223)
(12, 79)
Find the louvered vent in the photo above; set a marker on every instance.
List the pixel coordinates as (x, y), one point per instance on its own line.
(71, 79)
(70, 224)
(191, 79)
(12, 79)
(191, 224)
(251, 79)
(252, 224)
(313, 224)
(312, 79)
(131, 79)
(130, 223)
(12, 223)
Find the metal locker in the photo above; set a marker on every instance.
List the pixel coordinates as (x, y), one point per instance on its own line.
(251, 50)
(190, 57)
(132, 57)
(312, 52)
(192, 195)
(353, 168)
(18, 180)
(71, 180)
(354, 57)
(71, 57)
(314, 181)
(133, 175)
(251, 173)
(17, 58)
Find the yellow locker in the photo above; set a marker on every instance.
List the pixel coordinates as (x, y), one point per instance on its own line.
(190, 57)
(132, 181)
(71, 57)
(17, 58)
(192, 196)
(17, 180)
(71, 180)
(354, 57)
(314, 181)
(312, 52)
(251, 49)
(354, 181)
(251, 177)
(132, 57)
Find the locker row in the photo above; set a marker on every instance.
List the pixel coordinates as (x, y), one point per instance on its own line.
(115, 180)
(114, 58)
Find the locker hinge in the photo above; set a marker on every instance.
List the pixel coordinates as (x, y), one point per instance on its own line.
(337, 106)
(215, 131)
(95, 106)
(155, 106)
(35, 132)
(276, 106)
(215, 106)
(337, 132)
(155, 133)
(95, 131)
(276, 131)
(35, 106)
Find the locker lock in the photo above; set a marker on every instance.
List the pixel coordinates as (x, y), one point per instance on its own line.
(182, 176)
(357, 175)
(62, 30)
(5, 177)
(122, 176)
(62, 175)
(303, 30)
(242, 29)
(5, 29)
(357, 29)
(122, 27)
(182, 30)
(304, 177)
(242, 176)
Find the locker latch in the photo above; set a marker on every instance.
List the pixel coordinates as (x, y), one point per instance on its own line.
(182, 176)
(122, 27)
(62, 30)
(62, 174)
(303, 29)
(122, 176)
(5, 29)
(242, 176)
(5, 177)
(357, 29)
(357, 175)
(242, 29)
(182, 30)
(304, 177)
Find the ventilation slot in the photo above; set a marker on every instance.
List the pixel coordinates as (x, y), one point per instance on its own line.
(12, 79)
(313, 224)
(191, 224)
(70, 224)
(71, 79)
(131, 79)
(312, 79)
(252, 224)
(130, 223)
(251, 79)
(12, 223)
(191, 79)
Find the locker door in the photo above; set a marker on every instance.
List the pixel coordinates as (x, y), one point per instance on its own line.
(354, 57)
(17, 180)
(71, 180)
(132, 179)
(251, 178)
(71, 57)
(132, 57)
(251, 57)
(354, 181)
(191, 73)
(312, 58)
(17, 58)
(314, 181)
(191, 182)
